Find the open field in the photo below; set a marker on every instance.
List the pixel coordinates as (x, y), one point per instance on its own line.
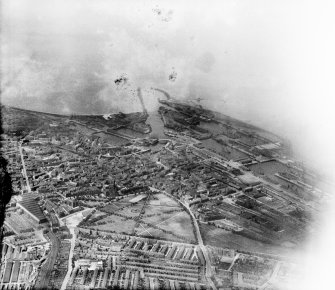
(173, 226)
(84, 129)
(162, 199)
(20, 122)
(125, 200)
(157, 211)
(111, 208)
(216, 237)
(159, 217)
(180, 224)
(124, 208)
(97, 214)
(114, 223)
(131, 211)
(162, 217)
(154, 233)
(92, 203)
(268, 168)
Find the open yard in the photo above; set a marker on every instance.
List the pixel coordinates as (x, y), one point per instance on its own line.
(162, 199)
(172, 225)
(158, 215)
(156, 233)
(268, 168)
(226, 151)
(131, 211)
(111, 208)
(180, 224)
(162, 218)
(114, 223)
(216, 237)
(268, 171)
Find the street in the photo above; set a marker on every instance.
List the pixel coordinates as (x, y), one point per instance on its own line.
(203, 248)
(47, 267)
(24, 168)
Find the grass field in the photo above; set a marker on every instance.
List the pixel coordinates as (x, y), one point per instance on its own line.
(216, 237)
(111, 208)
(268, 168)
(174, 226)
(159, 217)
(151, 210)
(131, 211)
(162, 199)
(118, 206)
(97, 214)
(91, 203)
(180, 224)
(163, 218)
(145, 231)
(115, 223)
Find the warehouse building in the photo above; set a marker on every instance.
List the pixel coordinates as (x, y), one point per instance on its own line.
(30, 206)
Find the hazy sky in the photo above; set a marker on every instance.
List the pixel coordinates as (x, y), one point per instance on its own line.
(262, 61)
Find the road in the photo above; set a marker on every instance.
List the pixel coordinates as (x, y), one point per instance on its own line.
(208, 266)
(201, 245)
(72, 223)
(273, 276)
(69, 268)
(47, 267)
(232, 264)
(24, 168)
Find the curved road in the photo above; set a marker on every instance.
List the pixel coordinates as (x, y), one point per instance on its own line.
(69, 269)
(24, 168)
(71, 222)
(201, 245)
(208, 266)
(47, 267)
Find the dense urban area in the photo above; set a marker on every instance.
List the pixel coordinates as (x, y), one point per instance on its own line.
(179, 198)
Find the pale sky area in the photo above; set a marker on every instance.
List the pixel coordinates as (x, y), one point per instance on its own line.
(267, 62)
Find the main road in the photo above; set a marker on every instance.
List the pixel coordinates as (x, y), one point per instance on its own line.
(47, 267)
(24, 168)
(71, 222)
(208, 266)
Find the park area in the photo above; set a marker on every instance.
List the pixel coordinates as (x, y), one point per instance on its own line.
(115, 224)
(155, 215)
